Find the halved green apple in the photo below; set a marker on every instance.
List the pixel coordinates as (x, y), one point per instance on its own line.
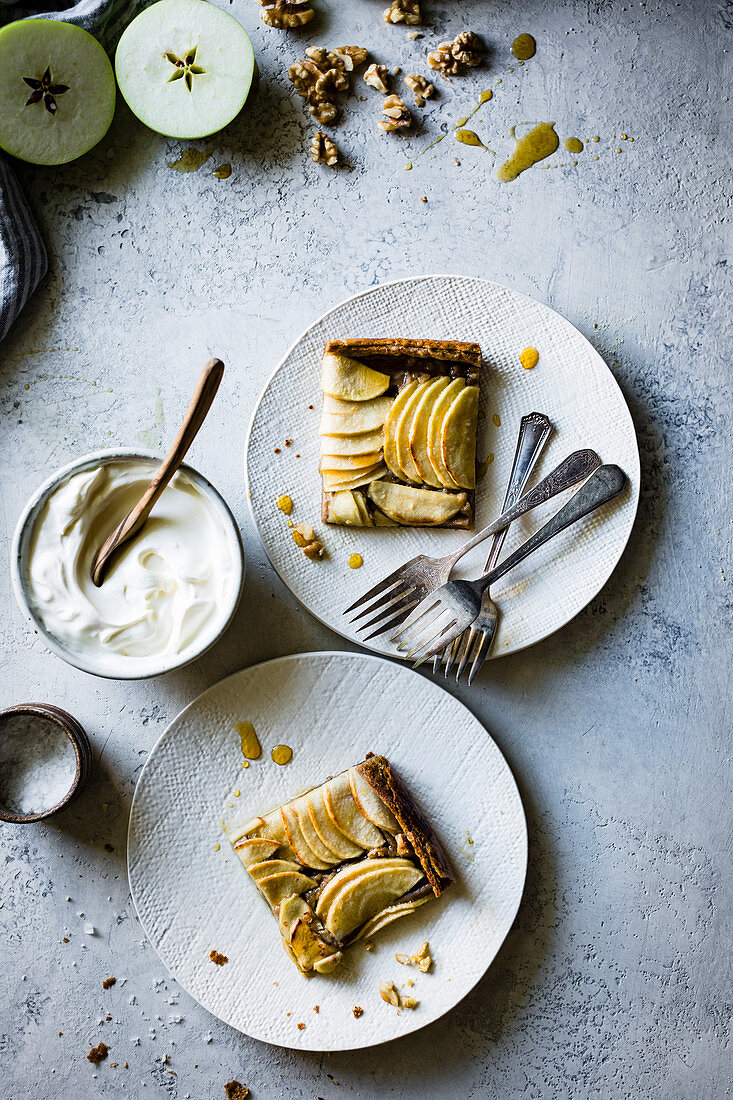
(435, 428)
(280, 886)
(458, 438)
(346, 815)
(333, 464)
(312, 839)
(255, 850)
(402, 434)
(185, 67)
(303, 852)
(394, 912)
(351, 380)
(365, 443)
(362, 899)
(350, 874)
(390, 428)
(416, 507)
(324, 825)
(334, 482)
(268, 867)
(355, 418)
(419, 432)
(371, 804)
(57, 91)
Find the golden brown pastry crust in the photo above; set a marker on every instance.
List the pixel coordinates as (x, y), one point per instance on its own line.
(380, 776)
(454, 350)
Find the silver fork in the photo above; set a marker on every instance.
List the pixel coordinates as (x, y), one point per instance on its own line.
(396, 596)
(445, 613)
(534, 431)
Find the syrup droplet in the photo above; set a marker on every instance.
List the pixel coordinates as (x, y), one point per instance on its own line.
(251, 747)
(355, 561)
(524, 47)
(282, 754)
(574, 145)
(540, 142)
(468, 137)
(529, 358)
(497, 420)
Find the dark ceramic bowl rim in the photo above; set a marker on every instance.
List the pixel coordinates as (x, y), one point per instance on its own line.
(82, 752)
(20, 544)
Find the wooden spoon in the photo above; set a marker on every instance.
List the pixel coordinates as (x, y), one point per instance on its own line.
(205, 392)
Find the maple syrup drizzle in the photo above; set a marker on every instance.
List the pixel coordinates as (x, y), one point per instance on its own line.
(540, 142)
(282, 754)
(251, 747)
(524, 47)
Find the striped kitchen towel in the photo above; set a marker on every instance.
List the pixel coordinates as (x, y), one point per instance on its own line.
(23, 259)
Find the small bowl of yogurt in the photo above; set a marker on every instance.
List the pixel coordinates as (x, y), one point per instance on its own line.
(168, 594)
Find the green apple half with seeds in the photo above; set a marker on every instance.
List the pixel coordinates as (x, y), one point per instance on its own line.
(57, 91)
(185, 67)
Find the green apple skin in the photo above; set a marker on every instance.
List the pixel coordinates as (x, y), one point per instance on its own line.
(174, 29)
(84, 111)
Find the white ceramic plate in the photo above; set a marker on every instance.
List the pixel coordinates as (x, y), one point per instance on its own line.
(571, 384)
(331, 708)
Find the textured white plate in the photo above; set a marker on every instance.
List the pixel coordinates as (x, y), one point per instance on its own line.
(331, 708)
(571, 384)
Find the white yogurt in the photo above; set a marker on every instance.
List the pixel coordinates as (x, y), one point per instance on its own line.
(165, 592)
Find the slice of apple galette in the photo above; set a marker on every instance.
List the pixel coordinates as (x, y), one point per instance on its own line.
(342, 861)
(398, 432)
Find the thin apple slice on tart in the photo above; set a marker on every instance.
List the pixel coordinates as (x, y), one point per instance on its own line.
(357, 854)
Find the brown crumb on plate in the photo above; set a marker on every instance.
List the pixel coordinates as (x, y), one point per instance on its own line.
(108, 983)
(98, 1054)
(217, 957)
(358, 1011)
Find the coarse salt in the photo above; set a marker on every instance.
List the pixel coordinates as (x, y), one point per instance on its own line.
(37, 764)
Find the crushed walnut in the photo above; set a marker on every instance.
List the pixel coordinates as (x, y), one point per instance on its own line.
(286, 14)
(304, 536)
(377, 76)
(403, 11)
(457, 57)
(108, 983)
(235, 1091)
(389, 992)
(218, 958)
(321, 75)
(398, 116)
(421, 959)
(323, 150)
(420, 87)
(358, 1011)
(410, 1002)
(98, 1054)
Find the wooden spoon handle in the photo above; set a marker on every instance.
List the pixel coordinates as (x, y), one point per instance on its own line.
(200, 404)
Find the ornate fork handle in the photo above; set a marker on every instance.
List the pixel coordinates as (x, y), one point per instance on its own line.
(573, 469)
(534, 431)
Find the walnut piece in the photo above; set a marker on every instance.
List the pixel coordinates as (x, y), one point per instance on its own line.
(410, 1002)
(304, 536)
(236, 1091)
(420, 87)
(377, 76)
(323, 150)
(321, 74)
(403, 11)
(285, 14)
(388, 992)
(457, 57)
(358, 1011)
(421, 959)
(397, 114)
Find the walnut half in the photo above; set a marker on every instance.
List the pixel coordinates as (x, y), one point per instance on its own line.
(420, 87)
(304, 536)
(457, 57)
(403, 11)
(398, 116)
(323, 150)
(377, 76)
(321, 74)
(285, 14)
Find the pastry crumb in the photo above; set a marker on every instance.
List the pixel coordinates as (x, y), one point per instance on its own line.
(421, 958)
(217, 957)
(98, 1054)
(410, 1002)
(285, 504)
(235, 1091)
(316, 1008)
(276, 450)
(108, 983)
(358, 1011)
(301, 1026)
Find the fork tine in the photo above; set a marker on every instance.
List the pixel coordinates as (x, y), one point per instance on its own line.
(481, 654)
(426, 604)
(450, 652)
(392, 622)
(432, 631)
(471, 635)
(390, 594)
(386, 609)
(388, 582)
(435, 641)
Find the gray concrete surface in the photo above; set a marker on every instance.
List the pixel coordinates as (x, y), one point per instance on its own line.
(614, 981)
